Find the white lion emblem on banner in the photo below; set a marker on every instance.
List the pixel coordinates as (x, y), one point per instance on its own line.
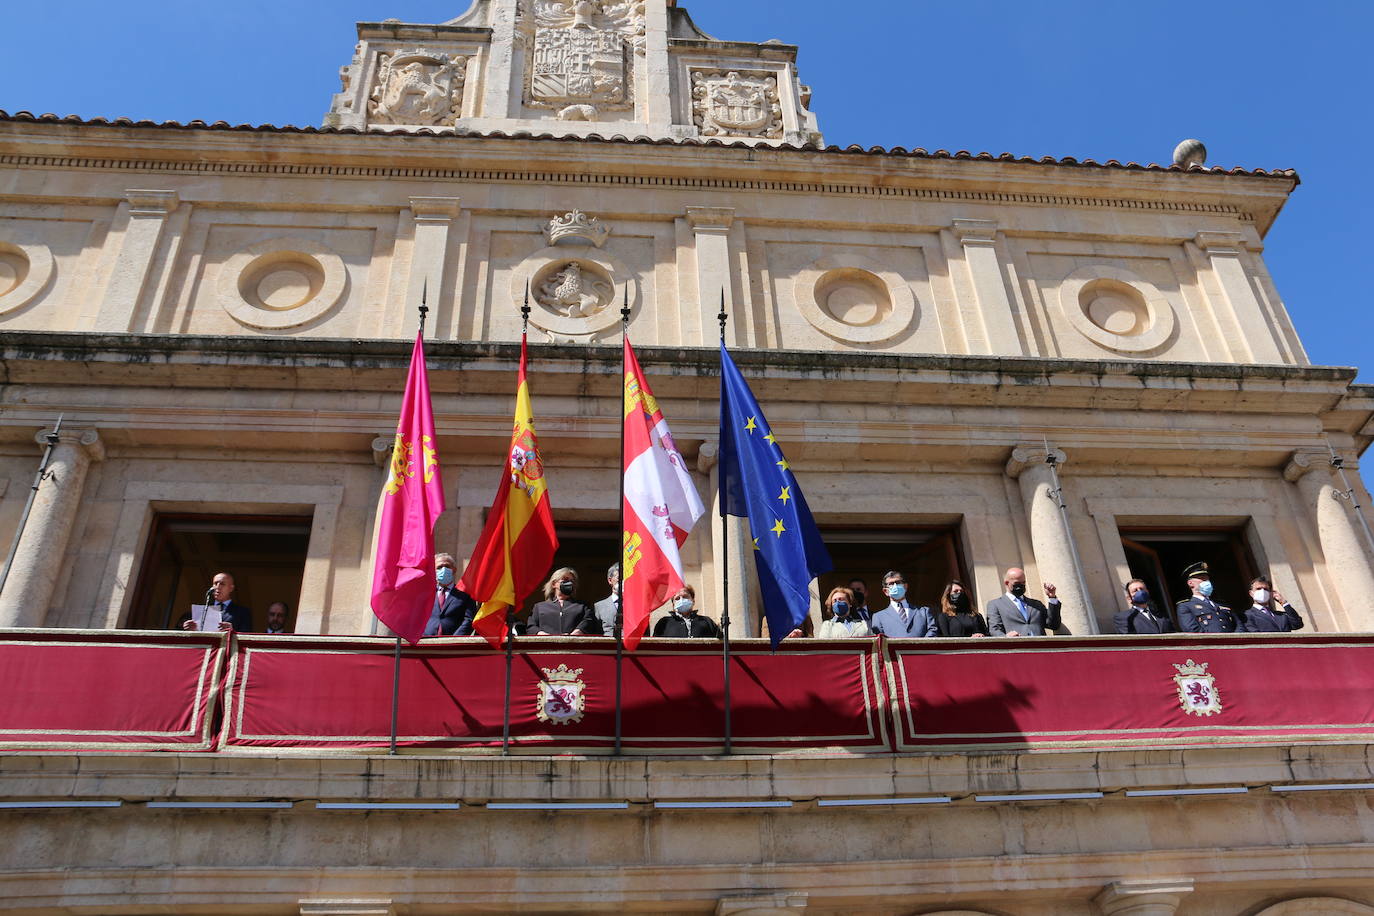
(1197, 690)
(561, 699)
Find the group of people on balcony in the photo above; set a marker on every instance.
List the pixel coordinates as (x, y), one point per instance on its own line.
(1011, 614)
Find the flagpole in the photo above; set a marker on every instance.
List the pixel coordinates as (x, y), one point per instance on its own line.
(510, 608)
(396, 659)
(620, 579)
(724, 551)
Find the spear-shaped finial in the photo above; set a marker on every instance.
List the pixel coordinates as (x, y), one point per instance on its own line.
(525, 311)
(722, 317)
(625, 307)
(424, 309)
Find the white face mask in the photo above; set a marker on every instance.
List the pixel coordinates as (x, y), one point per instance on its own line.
(1261, 596)
(682, 605)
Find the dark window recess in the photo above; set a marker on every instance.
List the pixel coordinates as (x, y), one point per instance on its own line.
(928, 556)
(1159, 556)
(264, 554)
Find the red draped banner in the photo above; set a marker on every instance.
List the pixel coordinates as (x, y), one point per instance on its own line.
(306, 693)
(142, 691)
(109, 690)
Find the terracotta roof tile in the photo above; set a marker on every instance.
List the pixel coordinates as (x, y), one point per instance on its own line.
(853, 149)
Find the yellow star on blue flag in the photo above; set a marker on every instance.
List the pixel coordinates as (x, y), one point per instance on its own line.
(756, 482)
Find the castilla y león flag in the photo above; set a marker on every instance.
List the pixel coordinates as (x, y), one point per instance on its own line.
(517, 545)
(403, 577)
(660, 504)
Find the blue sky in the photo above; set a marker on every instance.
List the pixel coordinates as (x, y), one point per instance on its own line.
(1263, 84)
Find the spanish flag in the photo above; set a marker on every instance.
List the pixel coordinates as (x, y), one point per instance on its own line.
(517, 545)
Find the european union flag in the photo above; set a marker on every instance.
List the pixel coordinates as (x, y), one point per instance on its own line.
(756, 482)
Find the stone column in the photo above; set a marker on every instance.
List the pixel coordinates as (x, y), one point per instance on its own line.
(711, 228)
(1054, 552)
(431, 217)
(1146, 897)
(43, 543)
(736, 556)
(1223, 251)
(988, 324)
(1343, 540)
(143, 217)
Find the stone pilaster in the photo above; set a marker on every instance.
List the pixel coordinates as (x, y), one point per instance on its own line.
(43, 542)
(1342, 539)
(1054, 552)
(142, 218)
(1147, 897)
(989, 327)
(1223, 250)
(736, 556)
(431, 219)
(711, 231)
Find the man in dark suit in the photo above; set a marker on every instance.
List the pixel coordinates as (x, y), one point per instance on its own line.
(233, 616)
(453, 608)
(899, 620)
(1140, 615)
(1013, 614)
(1269, 613)
(1199, 613)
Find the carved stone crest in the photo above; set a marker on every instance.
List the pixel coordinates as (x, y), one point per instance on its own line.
(417, 87)
(736, 105)
(1197, 690)
(580, 60)
(576, 227)
(575, 290)
(561, 699)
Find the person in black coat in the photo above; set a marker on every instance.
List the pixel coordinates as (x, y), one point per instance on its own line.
(233, 616)
(1140, 616)
(683, 621)
(560, 613)
(454, 608)
(1269, 612)
(957, 616)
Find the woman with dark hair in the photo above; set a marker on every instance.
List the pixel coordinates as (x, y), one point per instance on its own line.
(560, 613)
(957, 615)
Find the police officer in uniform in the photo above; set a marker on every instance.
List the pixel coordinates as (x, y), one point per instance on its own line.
(1200, 614)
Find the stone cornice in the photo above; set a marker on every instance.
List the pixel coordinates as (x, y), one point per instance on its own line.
(544, 160)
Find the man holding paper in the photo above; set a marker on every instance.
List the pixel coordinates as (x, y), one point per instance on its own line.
(222, 613)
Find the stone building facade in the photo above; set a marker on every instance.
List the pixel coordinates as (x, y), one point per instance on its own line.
(220, 316)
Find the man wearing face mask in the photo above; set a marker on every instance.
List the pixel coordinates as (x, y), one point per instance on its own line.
(1013, 614)
(453, 608)
(1269, 612)
(683, 621)
(859, 588)
(1200, 614)
(1141, 616)
(607, 608)
(899, 620)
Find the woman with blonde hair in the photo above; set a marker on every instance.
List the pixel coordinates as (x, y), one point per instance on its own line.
(844, 622)
(560, 613)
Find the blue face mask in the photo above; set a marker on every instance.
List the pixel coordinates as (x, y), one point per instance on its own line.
(444, 576)
(896, 592)
(1140, 596)
(840, 608)
(1205, 588)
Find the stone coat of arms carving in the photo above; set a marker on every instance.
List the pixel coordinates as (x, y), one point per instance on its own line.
(574, 292)
(579, 60)
(417, 87)
(736, 105)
